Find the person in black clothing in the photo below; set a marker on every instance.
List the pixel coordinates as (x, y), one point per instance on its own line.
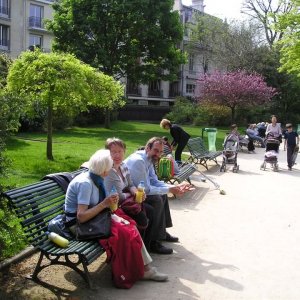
(291, 140)
(180, 137)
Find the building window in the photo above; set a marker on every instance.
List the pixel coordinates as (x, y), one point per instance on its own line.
(36, 16)
(187, 16)
(174, 89)
(132, 88)
(190, 88)
(4, 7)
(191, 62)
(35, 40)
(154, 88)
(4, 37)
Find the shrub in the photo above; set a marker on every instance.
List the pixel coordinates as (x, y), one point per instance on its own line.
(212, 115)
(12, 238)
(187, 111)
(182, 112)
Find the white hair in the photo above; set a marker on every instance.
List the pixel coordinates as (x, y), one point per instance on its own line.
(100, 162)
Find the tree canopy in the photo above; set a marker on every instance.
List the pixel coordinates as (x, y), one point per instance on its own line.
(226, 46)
(234, 89)
(266, 13)
(61, 82)
(289, 24)
(136, 38)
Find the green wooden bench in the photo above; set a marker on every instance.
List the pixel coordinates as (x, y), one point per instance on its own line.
(199, 154)
(35, 205)
(185, 171)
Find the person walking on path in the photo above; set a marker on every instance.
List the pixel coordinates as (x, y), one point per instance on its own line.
(291, 139)
(274, 128)
(180, 137)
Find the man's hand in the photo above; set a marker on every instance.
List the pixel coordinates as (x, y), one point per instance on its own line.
(186, 187)
(176, 190)
(181, 188)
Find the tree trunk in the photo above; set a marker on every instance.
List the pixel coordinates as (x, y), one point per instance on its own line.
(49, 131)
(107, 118)
(232, 115)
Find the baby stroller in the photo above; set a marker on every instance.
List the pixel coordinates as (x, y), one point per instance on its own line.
(229, 153)
(271, 155)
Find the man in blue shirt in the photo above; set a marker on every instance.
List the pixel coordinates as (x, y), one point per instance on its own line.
(291, 139)
(141, 166)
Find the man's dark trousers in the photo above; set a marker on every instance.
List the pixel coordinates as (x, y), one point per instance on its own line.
(162, 216)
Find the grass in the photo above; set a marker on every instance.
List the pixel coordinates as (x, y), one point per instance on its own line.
(73, 146)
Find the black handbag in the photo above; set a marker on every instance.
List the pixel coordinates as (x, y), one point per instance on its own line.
(97, 228)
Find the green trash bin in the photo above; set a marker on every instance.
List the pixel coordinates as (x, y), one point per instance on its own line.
(211, 136)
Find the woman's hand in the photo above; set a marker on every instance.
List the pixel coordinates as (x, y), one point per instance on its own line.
(110, 200)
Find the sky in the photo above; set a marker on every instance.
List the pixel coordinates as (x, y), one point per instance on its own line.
(229, 9)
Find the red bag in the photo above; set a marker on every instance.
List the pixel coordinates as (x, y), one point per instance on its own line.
(123, 251)
(129, 206)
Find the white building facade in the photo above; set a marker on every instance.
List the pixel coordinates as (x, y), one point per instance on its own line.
(22, 25)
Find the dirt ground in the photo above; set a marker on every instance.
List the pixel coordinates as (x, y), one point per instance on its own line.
(240, 246)
(57, 282)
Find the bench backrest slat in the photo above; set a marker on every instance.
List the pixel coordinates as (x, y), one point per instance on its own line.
(196, 146)
(35, 205)
(29, 189)
(42, 203)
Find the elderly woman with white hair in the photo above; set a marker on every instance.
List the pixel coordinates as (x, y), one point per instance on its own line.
(86, 197)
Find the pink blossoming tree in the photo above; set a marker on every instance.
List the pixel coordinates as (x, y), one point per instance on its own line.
(234, 89)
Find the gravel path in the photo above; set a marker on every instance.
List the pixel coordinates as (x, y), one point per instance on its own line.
(242, 245)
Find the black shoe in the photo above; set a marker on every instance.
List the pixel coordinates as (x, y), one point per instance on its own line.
(172, 239)
(157, 247)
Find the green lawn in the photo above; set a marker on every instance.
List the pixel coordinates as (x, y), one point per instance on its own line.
(73, 146)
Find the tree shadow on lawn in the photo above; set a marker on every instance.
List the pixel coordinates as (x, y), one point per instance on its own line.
(14, 143)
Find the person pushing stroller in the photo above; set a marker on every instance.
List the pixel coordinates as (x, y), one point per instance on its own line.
(273, 140)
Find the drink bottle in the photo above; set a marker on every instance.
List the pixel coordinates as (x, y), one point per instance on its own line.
(58, 240)
(113, 206)
(140, 192)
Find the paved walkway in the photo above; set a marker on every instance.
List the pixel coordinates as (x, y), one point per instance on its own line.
(243, 245)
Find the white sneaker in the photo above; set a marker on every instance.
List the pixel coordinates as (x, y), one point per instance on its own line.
(154, 275)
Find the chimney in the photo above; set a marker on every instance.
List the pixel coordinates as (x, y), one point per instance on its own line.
(198, 5)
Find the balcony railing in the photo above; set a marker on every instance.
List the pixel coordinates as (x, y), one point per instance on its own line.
(173, 94)
(133, 91)
(155, 93)
(36, 22)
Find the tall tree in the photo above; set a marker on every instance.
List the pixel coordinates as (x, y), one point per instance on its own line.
(266, 13)
(60, 82)
(206, 35)
(228, 46)
(135, 38)
(289, 24)
(234, 89)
